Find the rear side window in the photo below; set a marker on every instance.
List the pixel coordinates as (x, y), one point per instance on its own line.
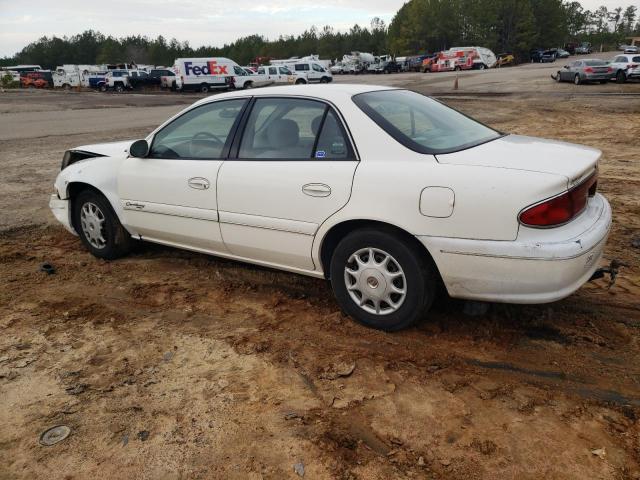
(421, 123)
(273, 71)
(293, 129)
(635, 59)
(300, 67)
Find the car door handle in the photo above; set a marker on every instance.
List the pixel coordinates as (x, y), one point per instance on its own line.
(199, 183)
(316, 190)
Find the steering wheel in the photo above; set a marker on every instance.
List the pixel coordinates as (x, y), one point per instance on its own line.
(202, 140)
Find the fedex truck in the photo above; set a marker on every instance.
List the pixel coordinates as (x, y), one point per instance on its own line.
(204, 74)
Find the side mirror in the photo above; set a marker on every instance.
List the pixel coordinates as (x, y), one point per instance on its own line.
(139, 149)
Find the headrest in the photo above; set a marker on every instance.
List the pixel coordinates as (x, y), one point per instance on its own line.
(283, 133)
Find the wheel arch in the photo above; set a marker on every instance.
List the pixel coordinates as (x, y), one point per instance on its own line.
(74, 188)
(338, 231)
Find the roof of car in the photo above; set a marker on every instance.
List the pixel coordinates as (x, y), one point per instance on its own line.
(331, 92)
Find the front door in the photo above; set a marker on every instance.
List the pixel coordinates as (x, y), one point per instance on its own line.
(293, 169)
(170, 195)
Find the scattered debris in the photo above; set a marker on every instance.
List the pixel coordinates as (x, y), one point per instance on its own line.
(334, 371)
(125, 439)
(143, 435)
(47, 268)
(421, 462)
(54, 435)
(635, 241)
(291, 415)
(167, 356)
(77, 389)
(599, 452)
(299, 469)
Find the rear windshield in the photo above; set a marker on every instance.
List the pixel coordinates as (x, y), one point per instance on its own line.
(422, 123)
(595, 63)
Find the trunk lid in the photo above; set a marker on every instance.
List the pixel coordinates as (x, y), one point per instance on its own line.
(518, 152)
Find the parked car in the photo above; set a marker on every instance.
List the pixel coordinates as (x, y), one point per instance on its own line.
(142, 79)
(337, 68)
(117, 80)
(625, 67)
(429, 61)
(481, 57)
(631, 49)
(277, 74)
(66, 79)
(385, 66)
(535, 54)
(246, 78)
(384, 192)
(548, 56)
(309, 72)
(584, 49)
(583, 71)
(561, 53)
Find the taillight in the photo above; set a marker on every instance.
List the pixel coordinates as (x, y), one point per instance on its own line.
(609, 69)
(588, 70)
(559, 210)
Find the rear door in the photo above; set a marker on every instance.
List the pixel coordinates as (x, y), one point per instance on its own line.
(170, 195)
(293, 168)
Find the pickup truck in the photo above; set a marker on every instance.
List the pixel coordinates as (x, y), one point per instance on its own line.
(117, 80)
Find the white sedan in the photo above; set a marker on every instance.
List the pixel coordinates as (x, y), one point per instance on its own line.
(385, 192)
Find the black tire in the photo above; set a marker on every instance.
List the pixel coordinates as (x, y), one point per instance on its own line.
(204, 88)
(117, 241)
(248, 85)
(103, 87)
(300, 81)
(119, 87)
(419, 273)
(457, 69)
(324, 80)
(621, 77)
(576, 80)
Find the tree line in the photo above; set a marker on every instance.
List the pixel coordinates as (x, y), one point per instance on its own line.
(419, 26)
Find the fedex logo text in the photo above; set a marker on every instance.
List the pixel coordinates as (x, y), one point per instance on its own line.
(211, 68)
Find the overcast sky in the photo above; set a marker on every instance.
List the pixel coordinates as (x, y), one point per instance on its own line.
(201, 22)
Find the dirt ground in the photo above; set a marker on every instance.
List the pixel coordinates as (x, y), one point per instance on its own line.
(173, 365)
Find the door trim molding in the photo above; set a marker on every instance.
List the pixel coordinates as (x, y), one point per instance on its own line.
(269, 223)
(171, 210)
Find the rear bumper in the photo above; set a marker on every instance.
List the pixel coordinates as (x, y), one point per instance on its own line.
(540, 266)
(593, 77)
(60, 209)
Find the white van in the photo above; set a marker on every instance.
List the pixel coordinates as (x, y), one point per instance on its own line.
(204, 74)
(278, 74)
(306, 71)
(65, 78)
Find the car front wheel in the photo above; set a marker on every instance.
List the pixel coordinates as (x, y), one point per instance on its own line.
(381, 279)
(576, 79)
(98, 226)
(621, 77)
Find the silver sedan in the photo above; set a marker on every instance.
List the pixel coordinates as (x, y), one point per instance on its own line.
(587, 70)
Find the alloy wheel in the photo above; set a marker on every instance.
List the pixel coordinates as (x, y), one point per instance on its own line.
(375, 281)
(92, 221)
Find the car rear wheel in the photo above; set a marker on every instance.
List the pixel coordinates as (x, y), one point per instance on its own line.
(576, 79)
(119, 88)
(621, 77)
(381, 279)
(300, 81)
(248, 85)
(98, 226)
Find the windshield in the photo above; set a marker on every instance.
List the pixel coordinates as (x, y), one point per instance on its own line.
(422, 123)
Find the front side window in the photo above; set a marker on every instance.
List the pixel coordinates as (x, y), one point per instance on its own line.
(317, 67)
(421, 123)
(292, 128)
(239, 71)
(261, 71)
(199, 134)
(284, 71)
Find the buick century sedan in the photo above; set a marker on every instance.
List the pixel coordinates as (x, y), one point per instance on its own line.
(386, 193)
